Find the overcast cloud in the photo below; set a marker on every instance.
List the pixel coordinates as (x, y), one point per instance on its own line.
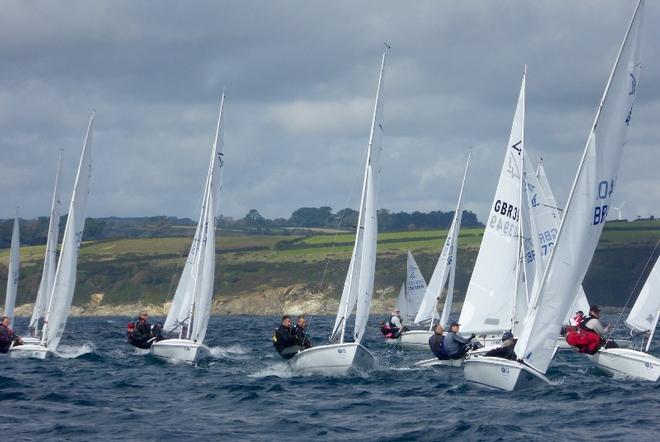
(300, 78)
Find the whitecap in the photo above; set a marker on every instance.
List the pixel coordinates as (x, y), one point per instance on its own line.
(74, 351)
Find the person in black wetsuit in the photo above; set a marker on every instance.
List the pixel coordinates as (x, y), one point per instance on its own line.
(284, 339)
(300, 332)
(7, 336)
(456, 346)
(435, 342)
(506, 349)
(144, 334)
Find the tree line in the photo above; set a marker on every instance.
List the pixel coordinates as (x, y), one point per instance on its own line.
(34, 231)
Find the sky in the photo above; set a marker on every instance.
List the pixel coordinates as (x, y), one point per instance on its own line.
(300, 79)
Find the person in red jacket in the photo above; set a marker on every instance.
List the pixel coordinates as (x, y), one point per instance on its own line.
(7, 336)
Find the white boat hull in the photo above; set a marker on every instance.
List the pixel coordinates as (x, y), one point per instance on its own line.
(34, 351)
(562, 345)
(624, 363)
(183, 350)
(500, 374)
(334, 360)
(435, 362)
(415, 339)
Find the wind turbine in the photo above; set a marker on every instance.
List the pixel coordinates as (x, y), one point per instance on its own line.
(618, 209)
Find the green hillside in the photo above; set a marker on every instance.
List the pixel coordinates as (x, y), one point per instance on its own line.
(147, 270)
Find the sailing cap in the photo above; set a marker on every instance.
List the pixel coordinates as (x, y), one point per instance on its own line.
(507, 335)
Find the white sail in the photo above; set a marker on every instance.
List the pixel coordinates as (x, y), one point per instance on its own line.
(414, 289)
(13, 272)
(50, 258)
(402, 302)
(587, 207)
(449, 298)
(203, 300)
(489, 301)
(65, 275)
(370, 196)
(548, 218)
(643, 313)
(191, 305)
(445, 266)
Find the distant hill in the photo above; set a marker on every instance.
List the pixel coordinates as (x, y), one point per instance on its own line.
(259, 273)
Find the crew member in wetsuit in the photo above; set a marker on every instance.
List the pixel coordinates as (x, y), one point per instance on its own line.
(300, 332)
(506, 349)
(143, 333)
(456, 346)
(435, 342)
(7, 336)
(396, 324)
(284, 339)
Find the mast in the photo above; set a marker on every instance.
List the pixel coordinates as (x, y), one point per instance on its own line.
(13, 271)
(50, 258)
(521, 248)
(363, 198)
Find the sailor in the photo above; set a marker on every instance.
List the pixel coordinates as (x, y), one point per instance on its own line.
(7, 336)
(300, 332)
(590, 335)
(435, 342)
(396, 324)
(506, 349)
(142, 334)
(577, 320)
(456, 346)
(284, 339)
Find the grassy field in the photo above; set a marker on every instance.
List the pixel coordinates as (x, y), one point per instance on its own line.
(130, 270)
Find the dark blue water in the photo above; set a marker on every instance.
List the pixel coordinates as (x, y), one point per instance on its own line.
(103, 389)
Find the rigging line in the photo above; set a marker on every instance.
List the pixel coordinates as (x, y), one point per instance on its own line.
(332, 247)
(618, 319)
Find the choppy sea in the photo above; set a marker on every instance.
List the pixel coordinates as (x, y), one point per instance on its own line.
(101, 388)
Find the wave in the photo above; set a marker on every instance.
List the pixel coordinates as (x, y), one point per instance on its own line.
(75, 351)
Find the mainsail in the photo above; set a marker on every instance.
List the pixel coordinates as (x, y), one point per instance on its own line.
(587, 206)
(413, 290)
(489, 301)
(358, 287)
(445, 267)
(191, 305)
(13, 272)
(65, 275)
(50, 258)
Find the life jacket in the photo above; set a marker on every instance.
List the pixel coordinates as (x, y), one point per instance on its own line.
(386, 330)
(130, 329)
(583, 325)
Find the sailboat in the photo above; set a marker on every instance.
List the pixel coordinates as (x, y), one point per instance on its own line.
(411, 294)
(50, 264)
(445, 269)
(494, 301)
(642, 319)
(13, 272)
(340, 357)
(191, 306)
(579, 231)
(64, 281)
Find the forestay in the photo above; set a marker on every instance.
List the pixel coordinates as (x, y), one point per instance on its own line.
(643, 313)
(488, 305)
(65, 275)
(13, 272)
(587, 207)
(444, 267)
(50, 257)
